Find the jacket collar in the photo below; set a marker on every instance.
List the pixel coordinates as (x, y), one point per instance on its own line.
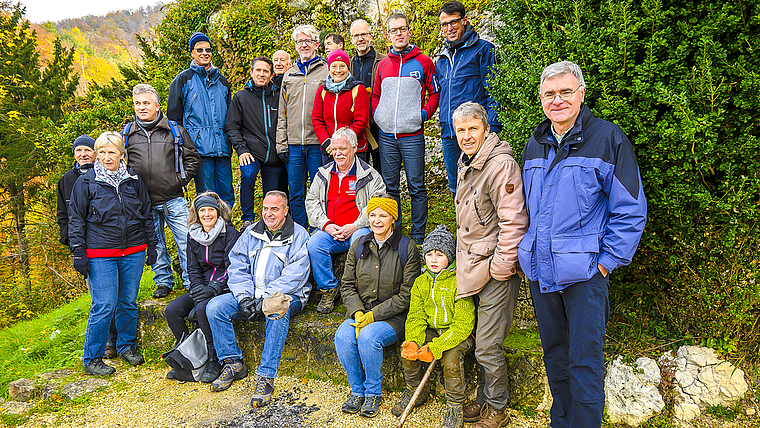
(469, 38)
(360, 170)
(543, 132)
(392, 242)
(260, 229)
(406, 55)
(485, 151)
(212, 73)
(268, 89)
(444, 273)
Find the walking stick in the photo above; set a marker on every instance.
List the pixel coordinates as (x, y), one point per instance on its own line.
(416, 394)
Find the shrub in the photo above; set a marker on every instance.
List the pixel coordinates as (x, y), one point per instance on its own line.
(681, 80)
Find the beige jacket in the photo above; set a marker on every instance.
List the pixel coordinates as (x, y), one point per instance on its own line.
(296, 102)
(491, 217)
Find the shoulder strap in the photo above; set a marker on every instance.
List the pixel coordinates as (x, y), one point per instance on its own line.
(323, 93)
(179, 165)
(359, 248)
(403, 250)
(125, 133)
(354, 91)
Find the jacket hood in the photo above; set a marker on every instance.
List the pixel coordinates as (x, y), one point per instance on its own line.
(407, 56)
(491, 147)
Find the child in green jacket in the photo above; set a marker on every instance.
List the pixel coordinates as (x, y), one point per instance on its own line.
(438, 326)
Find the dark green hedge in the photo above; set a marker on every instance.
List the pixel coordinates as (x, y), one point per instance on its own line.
(682, 80)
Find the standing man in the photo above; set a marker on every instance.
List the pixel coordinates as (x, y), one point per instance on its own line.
(84, 155)
(198, 100)
(297, 144)
(404, 80)
(333, 41)
(251, 128)
(337, 206)
(364, 69)
(281, 61)
(491, 221)
(587, 213)
(164, 157)
(268, 278)
(463, 69)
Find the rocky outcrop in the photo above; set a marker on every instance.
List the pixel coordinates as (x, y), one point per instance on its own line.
(22, 389)
(631, 391)
(84, 386)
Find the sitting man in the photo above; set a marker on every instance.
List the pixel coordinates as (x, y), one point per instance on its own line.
(268, 275)
(337, 206)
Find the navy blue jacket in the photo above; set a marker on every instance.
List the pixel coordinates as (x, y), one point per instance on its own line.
(101, 218)
(252, 121)
(205, 263)
(585, 202)
(65, 186)
(463, 76)
(198, 100)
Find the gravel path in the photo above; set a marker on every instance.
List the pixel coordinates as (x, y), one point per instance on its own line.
(142, 397)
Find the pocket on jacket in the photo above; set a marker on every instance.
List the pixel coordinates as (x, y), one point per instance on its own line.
(483, 248)
(574, 258)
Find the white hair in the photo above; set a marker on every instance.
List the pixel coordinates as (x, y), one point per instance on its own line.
(560, 69)
(348, 134)
(309, 30)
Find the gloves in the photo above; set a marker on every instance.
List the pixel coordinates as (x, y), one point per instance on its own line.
(357, 315)
(81, 262)
(251, 309)
(151, 256)
(218, 287)
(325, 145)
(361, 321)
(284, 157)
(199, 293)
(409, 351)
(425, 355)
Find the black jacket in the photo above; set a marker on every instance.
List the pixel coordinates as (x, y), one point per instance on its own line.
(152, 158)
(65, 186)
(206, 263)
(101, 218)
(252, 121)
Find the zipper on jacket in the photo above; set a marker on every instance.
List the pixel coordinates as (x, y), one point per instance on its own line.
(303, 109)
(267, 122)
(398, 90)
(121, 211)
(335, 113)
(451, 125)
(435, 307)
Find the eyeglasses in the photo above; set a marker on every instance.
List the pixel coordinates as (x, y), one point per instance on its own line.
(304, 42)
(565, 95)
(360, 36)
(201, 50)
(454, 23)
(397, 30)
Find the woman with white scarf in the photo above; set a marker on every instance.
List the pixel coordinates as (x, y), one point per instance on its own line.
(210, 239)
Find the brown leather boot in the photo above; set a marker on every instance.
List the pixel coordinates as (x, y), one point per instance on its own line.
(471, 411)
(491, 418)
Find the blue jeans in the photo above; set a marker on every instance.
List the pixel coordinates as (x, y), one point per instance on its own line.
(571, 323)
(321, 246)
(362, 359)
(114, 283)
(451, 154)
(270, 180)
(410, 151)
(221, 310)
(112, 329)
(302, 160)
(174, 213)
(215, 175)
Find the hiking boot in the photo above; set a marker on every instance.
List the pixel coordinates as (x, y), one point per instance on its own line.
(262, 393)
(406, 396)
(212, 371)
(132, 357)
(98, 368)
(371, 406)
(471, 412)
(353, 404)
(161, 292)
(491, 418)
(232, 371)
(110, 353)
(327, 302)
(171, 374)
(453, 417)
(244, 225)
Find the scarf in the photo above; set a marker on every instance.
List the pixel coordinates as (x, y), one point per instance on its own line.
(333, 87)
(199, 235)
(148, 126)
(111, 177)
(456, 44)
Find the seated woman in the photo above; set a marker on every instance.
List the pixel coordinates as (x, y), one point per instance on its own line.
(380, 270)
(210, 239)
(110, 233)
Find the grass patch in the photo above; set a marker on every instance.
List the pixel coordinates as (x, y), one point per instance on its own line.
(722, 412)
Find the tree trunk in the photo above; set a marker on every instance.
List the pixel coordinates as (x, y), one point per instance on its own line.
(18, 210)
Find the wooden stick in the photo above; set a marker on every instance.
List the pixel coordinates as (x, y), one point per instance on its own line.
(402, 418)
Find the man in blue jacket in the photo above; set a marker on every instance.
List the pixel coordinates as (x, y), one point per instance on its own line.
(587, 212)
(463, 69)
(198, 101)
(268, 277)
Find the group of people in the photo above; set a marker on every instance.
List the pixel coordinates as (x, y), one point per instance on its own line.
(568, 216)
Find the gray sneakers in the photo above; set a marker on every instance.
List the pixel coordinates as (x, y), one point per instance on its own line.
(262, 393)
(232, 371)
(98, 368)
(132, 358)
(327, 302)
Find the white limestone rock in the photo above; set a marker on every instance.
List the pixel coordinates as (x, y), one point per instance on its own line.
(631, 393)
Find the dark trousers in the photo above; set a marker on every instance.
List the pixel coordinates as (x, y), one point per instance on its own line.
(571, 323)
(452, 362)
(176, 312)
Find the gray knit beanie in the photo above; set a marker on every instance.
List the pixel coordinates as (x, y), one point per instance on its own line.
(442, 240)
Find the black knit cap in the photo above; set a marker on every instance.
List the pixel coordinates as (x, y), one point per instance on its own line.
(83, 140)
(442, 240)
(206, 201)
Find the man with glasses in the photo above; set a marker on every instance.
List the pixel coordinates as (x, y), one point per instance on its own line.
(463, 69)
(297, 144)
(198, 101)
(587, 212)
(364, 69)
(405, 79)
